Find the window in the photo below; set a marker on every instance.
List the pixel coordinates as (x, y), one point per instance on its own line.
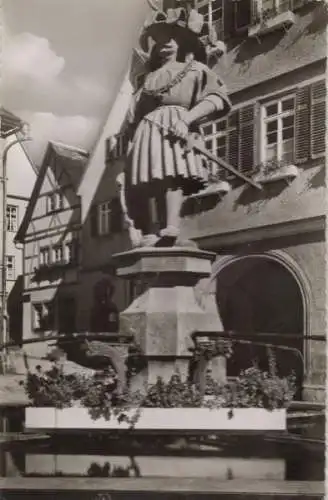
(71, 251)
(10, 268)
(213, 14)
(278, 137)
(216, 141)
(271, 8)
(43, 316)
(12, 218)
(55, 201)
(232, 139)
(57, 253)
(44, 256)
(106, 218)
(120, 149)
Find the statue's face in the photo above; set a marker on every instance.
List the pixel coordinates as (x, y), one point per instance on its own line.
(168, 48)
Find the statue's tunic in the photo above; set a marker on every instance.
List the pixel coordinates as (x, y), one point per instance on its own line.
(155, 154)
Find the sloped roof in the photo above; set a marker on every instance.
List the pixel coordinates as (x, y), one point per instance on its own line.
(74, 158)
(9, 122)
(250, 61)
(67, 151)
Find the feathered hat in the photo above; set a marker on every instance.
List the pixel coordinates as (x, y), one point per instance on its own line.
(184, 23)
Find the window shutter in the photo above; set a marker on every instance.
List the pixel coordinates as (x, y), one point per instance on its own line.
(302, 122)
(248, 116)
(318, 119)
(228, 19)
(116, 222)
(233, 138)
(242, 14)
(94, 220)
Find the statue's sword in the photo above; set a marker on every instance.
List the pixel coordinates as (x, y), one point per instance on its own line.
(192, 144)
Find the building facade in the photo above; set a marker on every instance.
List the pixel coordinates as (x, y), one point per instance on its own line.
(50, 233)
(268, 277)
(21, 176)
(17, 174)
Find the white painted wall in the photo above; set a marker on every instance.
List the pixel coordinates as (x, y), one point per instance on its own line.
(20, 182)
(97, 164)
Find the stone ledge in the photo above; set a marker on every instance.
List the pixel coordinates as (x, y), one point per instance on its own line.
(163, 261)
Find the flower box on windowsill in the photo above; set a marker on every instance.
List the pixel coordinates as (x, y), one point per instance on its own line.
(220, 188)
(158, 419)
(286, 172)
(271, 24)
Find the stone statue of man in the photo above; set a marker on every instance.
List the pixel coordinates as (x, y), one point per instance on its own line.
(178, 94)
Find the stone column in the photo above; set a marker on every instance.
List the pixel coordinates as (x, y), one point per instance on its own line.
(165, 315)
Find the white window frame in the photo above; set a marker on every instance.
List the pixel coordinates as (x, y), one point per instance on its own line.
(10, 268)
(211, 10)
(12, 218)
(57, 253)
(44, 255)
(276, 4)
(279, 116)
(104, 211)
(55, 202)
(215, 168)
(71, 249)
(39, 311)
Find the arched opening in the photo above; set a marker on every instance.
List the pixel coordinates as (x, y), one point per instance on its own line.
(258, 294)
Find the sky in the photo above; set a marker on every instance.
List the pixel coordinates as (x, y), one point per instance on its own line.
(63, 61)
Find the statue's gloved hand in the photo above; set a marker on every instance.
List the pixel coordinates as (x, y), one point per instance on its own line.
(180, 129)
(192, 141)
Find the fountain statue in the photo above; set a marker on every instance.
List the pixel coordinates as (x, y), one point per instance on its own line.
(180, 92)
(164, 164)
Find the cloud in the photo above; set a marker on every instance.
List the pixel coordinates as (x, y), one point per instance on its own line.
(31, 57)
(56, 106)
(36, 77)
(79, 131)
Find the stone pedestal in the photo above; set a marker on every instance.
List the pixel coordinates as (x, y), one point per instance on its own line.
(165, 315)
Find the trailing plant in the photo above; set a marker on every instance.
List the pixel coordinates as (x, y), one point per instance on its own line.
(270, 166)
(100, 395)
(99, 392)
(213, 349)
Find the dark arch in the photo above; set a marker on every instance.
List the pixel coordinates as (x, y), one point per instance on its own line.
(258, 294)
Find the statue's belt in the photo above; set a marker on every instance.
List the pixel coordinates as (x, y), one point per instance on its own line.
(192, 142)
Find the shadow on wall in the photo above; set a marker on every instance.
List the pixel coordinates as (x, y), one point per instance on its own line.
(252, 47)
(15, 310)
(318, 179)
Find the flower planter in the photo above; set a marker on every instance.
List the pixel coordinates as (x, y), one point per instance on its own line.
(274, 23)
(219, 188)
(158, 419)
(288, 173)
